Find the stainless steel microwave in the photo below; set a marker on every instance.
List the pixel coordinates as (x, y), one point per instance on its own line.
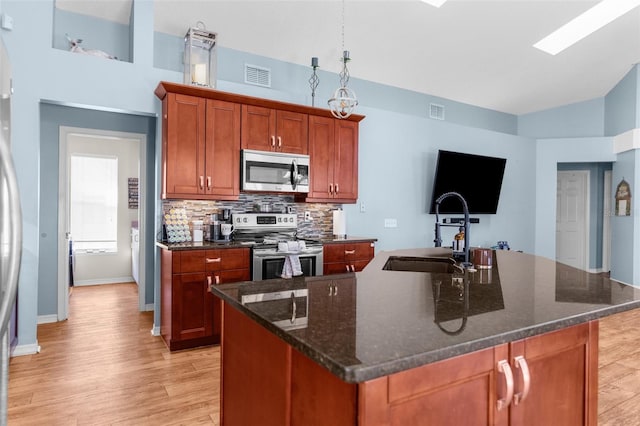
(274, 171)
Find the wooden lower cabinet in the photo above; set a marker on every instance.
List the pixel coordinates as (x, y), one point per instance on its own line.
(190, 315)
(283, 386)
(344, 257)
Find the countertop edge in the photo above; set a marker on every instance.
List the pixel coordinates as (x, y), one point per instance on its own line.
(362, 374)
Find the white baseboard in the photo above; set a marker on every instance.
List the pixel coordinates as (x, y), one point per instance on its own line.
(115, 280)
(45, 319)
(155, 331)
(21, 350)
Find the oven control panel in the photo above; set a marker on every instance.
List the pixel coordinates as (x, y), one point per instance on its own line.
(264, 220)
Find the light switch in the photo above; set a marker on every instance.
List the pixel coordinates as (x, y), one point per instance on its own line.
(390, 223)
(7, 22)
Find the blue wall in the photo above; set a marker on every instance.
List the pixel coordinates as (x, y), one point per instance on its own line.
(621, 105)
(398, 142)
(51, 118)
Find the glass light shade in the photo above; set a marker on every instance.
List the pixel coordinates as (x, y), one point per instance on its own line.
(343, 102)
(200, 57)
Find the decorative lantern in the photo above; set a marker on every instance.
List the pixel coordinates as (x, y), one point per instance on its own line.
(200, 56)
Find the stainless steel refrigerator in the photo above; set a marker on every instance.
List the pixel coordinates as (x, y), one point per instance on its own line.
(10, 232)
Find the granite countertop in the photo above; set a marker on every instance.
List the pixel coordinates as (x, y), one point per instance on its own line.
(381, 322)
(190, 245)
(347, 239)
(204, 245)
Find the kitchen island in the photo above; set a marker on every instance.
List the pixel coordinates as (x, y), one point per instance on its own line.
(514, 344)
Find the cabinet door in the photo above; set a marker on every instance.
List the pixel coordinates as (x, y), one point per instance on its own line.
(223, 149)
(192, 307)
(455, 391)
(183, 160)
(563, 370)
(321, 138)
(333, 148)
(292, 132)
(346, 159)
(258, 128)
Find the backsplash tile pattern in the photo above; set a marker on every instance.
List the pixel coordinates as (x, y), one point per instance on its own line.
(321, 225)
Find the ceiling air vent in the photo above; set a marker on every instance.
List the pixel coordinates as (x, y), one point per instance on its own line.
(259, 76)
(436, 111)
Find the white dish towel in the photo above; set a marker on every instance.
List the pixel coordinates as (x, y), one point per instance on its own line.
(291, 267)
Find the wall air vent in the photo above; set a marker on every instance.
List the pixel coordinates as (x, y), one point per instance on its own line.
(259, 76)
(436, 111)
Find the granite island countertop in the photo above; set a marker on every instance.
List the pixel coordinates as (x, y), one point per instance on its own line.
(382, 322)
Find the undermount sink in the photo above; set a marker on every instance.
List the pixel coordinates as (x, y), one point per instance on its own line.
(442, 265)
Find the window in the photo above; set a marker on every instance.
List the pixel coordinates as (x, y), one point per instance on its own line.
(94, 203)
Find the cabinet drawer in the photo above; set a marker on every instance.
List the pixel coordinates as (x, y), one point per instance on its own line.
(188, 261)
(348, 251)
(223, 259)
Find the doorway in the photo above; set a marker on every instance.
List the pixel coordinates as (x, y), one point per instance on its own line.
(115, 264)
(572, 218)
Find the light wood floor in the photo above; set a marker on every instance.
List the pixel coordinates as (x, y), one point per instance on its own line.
(103, 367)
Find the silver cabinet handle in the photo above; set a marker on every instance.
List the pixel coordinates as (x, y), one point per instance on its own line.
(213, 260)
(279, 141)
(349, 252)
(217, 279)
(335, 289)
(330, 188)
(208, 182)
(504, 368)
(522, 365)
(273, 141)
(337, 188)
(209, 281)
(201, 182)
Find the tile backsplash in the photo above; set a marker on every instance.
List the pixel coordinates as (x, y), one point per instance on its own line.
(321, 225)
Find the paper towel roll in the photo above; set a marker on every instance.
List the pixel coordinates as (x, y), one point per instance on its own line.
(339, 223)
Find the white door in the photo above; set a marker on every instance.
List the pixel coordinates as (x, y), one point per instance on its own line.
(572, 218)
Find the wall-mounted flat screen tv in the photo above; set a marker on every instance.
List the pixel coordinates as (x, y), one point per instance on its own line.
(477, 178)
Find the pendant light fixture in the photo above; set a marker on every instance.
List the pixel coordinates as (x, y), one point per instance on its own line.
(344, 100)
(314, 80)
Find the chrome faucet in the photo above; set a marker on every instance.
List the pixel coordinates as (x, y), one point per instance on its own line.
(466, 226)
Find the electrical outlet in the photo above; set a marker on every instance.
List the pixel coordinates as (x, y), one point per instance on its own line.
(362, 208)
(307, 216)
(390, 223)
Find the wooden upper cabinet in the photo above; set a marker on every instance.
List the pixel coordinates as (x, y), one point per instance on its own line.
(183, 145)
(223, 150)
(267, 129)
(204, 130)
(333, 150)
(201, 148)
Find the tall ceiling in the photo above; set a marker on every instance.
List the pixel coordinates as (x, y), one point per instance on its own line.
(477, 52)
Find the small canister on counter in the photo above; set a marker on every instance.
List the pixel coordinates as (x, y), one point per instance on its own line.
(483, 258)
(198, 230)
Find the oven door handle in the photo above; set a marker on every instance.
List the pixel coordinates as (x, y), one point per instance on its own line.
(293, 307)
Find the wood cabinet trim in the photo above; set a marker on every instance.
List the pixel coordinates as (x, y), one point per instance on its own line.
(165, 87)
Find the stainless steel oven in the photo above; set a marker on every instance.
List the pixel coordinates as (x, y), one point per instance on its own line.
(268, 262)
(266, 232)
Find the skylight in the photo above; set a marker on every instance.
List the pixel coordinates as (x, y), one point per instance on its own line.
(590, 21)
